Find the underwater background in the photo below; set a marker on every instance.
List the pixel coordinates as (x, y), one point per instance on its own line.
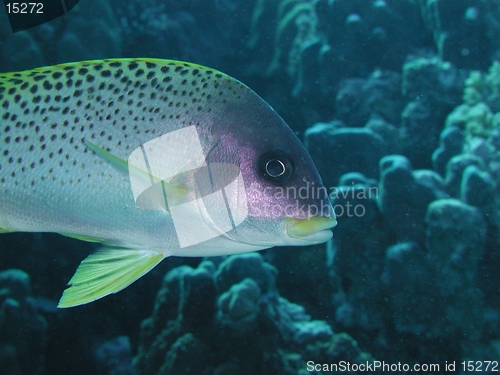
(398, 103)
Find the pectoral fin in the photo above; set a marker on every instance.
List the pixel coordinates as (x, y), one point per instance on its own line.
(154, 198)
(107, 271)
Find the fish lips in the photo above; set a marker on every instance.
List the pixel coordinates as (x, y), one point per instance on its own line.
(313, 230)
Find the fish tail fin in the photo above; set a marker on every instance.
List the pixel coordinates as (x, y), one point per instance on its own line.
(107, 271)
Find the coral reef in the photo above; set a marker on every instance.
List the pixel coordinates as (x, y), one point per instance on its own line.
(232, 319)
(458, 26)
(348, 150)
(23, 331)
(115, 356)
(406, 139)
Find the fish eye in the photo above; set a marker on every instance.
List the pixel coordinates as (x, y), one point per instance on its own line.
(276, 166)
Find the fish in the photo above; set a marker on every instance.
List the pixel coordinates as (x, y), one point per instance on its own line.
(151, 158)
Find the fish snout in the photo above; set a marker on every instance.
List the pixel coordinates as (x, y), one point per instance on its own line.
(311, 230)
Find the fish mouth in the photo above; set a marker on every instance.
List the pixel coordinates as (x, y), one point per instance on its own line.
(311, 230)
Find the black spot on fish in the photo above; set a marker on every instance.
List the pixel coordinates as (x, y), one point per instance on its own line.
(78, 83)
(105, 73)
(78, 93)
(90, 78)
(165, 69)
(133, 66)
(83, 71)
(58, 86)
(139, 72)
(38, 78)
(5, 104)
(11, 91)
(17, 98)
(37, 99)
(98, 67)
(115, 64)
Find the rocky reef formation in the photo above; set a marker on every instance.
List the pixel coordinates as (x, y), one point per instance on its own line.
(420, 260)
(398, 102)
(228, 319)
(23, 330)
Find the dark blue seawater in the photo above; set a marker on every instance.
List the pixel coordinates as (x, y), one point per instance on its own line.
(398, 103)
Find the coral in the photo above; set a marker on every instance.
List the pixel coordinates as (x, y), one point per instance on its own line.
(477, 187)
(432, 87)
(455, 169)
(23, 331)
(479, 115)
(358, 99)
(403, 200)
(232, 319)
(348, 150)
(432, 80)
(450, 144)
(406, 279)
(115, 356)
(295, 25)
(458, 26)
(387, 131)
(432, 291)
(455, 239)
(355, 254)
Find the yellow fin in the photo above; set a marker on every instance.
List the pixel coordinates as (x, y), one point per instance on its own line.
(107, 271)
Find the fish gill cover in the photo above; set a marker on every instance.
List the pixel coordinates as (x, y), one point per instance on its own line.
(397, 103)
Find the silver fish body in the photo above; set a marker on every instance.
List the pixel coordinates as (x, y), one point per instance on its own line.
(67, 129)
